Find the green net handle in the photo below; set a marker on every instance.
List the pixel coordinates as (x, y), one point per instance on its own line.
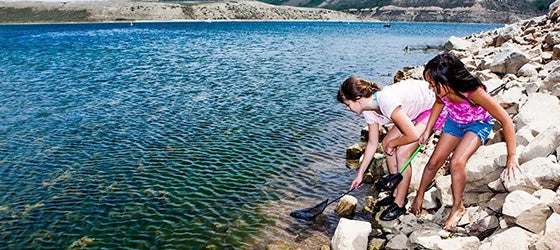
(411, 158)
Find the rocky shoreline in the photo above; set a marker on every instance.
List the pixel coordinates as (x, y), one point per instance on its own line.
(520, 64)
(522, 60)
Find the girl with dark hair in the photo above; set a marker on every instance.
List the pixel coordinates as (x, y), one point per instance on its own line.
(471, 112)
(407, 105)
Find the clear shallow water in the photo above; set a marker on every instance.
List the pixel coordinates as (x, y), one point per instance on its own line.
(183, 135)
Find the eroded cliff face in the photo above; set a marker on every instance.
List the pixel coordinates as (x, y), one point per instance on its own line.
(474, 14)
(124, 10)
(256, 10)
(471, 11)
(475, 11)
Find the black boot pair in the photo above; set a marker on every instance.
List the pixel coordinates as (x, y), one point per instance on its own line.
(386, 201)
(393, 211)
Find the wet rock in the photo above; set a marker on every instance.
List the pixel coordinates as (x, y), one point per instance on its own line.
(346, 207)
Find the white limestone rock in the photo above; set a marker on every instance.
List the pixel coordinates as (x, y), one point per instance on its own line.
(539, 112)
(551, 237)
(527, 211)
(459, 243)
(508, 59)
(544, 144)
(456, 43)
(514, 238)
(426, 237)
(481, 167)
(443, 194)
(535, 174)
(351, 235)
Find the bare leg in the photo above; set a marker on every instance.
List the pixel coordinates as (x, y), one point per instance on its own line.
(403, 153)
(445, 146)
(466, 148)
(392, 159)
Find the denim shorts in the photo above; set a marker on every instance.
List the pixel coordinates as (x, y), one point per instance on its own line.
(481, 128)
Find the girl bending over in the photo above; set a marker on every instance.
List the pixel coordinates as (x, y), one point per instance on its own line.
(407, 105)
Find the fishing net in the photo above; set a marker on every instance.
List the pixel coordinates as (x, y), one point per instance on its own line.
(310, 213)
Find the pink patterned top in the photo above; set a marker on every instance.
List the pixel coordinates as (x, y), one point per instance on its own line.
(464, 112)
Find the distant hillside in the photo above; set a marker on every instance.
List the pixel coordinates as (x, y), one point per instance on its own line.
(61, 11)
(500, 11)
(530, 6)
(463, 11)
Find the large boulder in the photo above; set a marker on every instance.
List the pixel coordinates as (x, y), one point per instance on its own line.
(526, 211)
(552, 80)
(508, 59)
(535, 174)
(551, 237)
(482, 167)
(539, 112)
(514, 238)
(544, 144)
(456, 43)
(351, 234)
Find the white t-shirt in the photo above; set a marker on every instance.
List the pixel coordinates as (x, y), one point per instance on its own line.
(413, 96)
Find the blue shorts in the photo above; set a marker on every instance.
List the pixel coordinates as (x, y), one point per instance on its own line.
(481, 128)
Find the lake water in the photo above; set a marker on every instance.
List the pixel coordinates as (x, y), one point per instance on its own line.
(184, 135)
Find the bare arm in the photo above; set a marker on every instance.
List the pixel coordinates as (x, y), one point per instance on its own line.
(406, 126)
(369, 153)
(434, 115)
(483, 99)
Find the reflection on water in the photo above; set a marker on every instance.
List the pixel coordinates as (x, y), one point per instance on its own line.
(166, 135)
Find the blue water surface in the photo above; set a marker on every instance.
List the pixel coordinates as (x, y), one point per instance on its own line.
(182, 135)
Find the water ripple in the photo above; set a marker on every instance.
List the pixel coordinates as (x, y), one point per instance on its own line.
(169, 135)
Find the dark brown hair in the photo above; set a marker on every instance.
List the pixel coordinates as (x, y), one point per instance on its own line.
(446, 69)
(353, 88)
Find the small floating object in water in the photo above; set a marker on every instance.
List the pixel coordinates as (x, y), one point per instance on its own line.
(386, 25)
